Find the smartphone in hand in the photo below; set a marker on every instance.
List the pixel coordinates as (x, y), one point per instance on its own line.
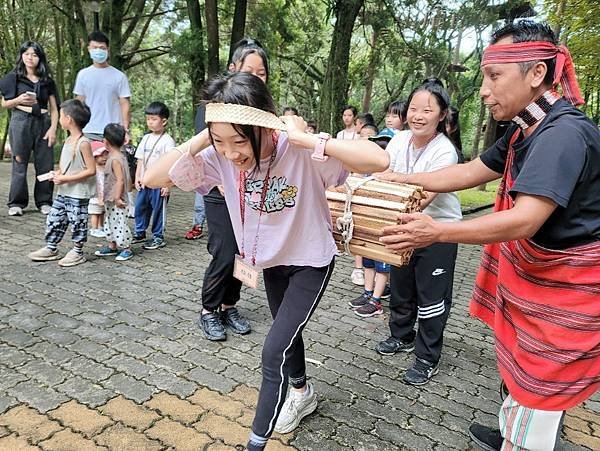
(31, 94)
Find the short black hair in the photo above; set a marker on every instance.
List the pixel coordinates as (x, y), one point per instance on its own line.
(371, 127)
(312, 124)
(351, 108)
(97, 36)
(114, 134)
(158, 109)
(76, 110)
(527, 31)
(367, 119)
(292, 109)
(397, 107)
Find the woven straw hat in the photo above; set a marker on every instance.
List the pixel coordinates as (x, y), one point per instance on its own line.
(242, 114)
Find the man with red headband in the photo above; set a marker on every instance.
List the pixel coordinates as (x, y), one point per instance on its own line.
(538, 286)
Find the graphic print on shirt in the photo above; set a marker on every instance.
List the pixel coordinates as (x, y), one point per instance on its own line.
(279, 195)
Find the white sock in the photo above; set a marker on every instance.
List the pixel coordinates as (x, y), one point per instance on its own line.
(306, 393)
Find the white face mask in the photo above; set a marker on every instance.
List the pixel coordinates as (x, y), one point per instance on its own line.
(99, 55)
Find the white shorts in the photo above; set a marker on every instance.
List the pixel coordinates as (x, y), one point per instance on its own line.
(94, 207)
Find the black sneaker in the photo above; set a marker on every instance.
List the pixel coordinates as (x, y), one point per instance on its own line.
(212, 326)
(420, 372)
(232, 318)
(139, 237)
(393, 345)
(486, 438)
(387, 293)
(360, 301)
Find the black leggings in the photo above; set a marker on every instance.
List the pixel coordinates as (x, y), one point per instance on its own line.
(293, 293)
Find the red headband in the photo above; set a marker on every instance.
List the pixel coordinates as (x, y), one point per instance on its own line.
(520, 52)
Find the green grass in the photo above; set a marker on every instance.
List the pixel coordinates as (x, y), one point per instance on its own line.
(471, 198)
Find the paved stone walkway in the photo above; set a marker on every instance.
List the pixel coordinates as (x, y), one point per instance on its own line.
(108, 355)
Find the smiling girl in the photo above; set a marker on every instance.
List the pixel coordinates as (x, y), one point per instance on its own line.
(423, 289)
(274, 184)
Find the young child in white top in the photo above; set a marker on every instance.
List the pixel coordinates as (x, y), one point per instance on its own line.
(150, 204)
(96, 206)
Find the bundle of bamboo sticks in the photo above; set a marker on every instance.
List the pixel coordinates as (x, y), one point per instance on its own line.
(375, 204)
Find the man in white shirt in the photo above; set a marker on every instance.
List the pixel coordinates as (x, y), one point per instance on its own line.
(104, 89)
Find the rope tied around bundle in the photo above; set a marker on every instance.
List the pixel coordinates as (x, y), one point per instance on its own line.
(345, 223)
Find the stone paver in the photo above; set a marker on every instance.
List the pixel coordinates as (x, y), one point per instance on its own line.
(129, 413)
(175, 408)
(80, 418)
(108, 355)
(67, 440)
(119, 437)
(29, 423)
(15, 443)
(178, 436)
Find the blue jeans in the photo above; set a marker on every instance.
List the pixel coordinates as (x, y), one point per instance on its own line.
(199, 211)
(149, 206)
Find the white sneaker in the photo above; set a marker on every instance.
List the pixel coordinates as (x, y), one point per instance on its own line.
(358, 276)
(296, 407)
(44, 255)
(45, 209)
(15, 211)
(72, 258)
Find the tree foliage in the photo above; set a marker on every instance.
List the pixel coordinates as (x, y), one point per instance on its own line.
(323, 53)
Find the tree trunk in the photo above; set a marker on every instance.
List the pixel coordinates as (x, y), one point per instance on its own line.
(196, 63)
(212, 34)
(334, 93)
(59, 66)
(239, 24)
(75, 32)
(478, 127)
(373, 60)
(560, 11)
(114, 30)
(490, 137)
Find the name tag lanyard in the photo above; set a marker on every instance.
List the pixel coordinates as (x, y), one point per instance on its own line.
(263, 197)
(410, 168)
(151, 150)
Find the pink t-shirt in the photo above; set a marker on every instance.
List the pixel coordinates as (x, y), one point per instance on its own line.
(295, 227)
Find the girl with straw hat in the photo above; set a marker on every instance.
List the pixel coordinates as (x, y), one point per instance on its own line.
(274, 176)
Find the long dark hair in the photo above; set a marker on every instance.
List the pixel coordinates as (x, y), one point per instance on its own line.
(453, 124)
(42, 70)
(247, 46)
(241, 88)
(436, 88)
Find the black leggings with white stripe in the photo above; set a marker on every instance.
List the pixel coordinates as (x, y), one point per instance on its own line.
(423, 290)
(293, 293)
